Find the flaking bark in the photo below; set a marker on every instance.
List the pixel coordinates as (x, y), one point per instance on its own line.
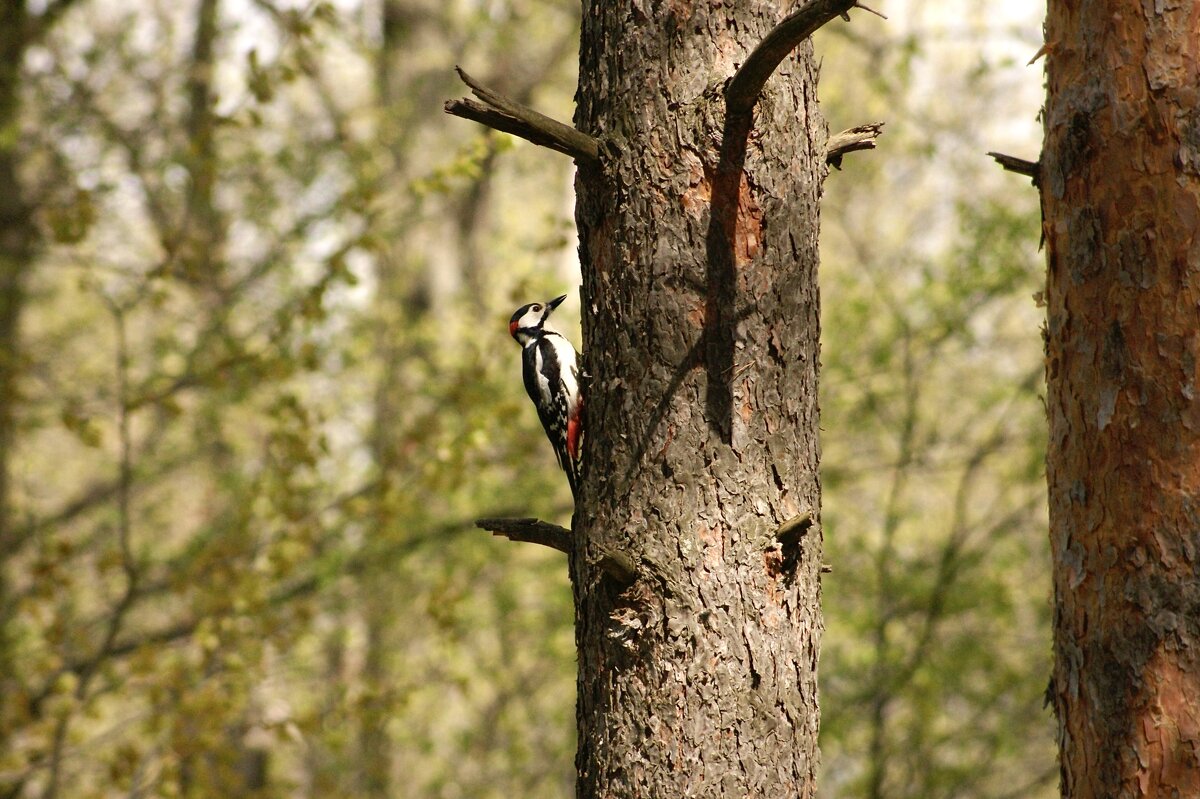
(697, 658)
(1120, 187)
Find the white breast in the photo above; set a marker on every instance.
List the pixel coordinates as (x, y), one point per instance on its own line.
(569, 367)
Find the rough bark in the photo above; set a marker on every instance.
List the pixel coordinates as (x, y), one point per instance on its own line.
(1120, 184)
(697, 665)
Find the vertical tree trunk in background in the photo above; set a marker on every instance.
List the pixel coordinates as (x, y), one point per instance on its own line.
(405, 296)
(394, 298)
(198, 259)
(698, 677)
(18, 242)
(18, 237)
(203, 231)
(1121, 193)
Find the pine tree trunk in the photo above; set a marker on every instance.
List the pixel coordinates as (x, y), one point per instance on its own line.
(1121, 194)
(697, 621)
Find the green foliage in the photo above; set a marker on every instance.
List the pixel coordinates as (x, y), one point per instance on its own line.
(266, 384)
(248, 566)
(937, 609)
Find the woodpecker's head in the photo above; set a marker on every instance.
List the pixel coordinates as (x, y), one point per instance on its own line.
(530, 320)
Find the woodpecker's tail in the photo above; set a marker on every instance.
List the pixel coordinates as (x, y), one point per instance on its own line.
(572, 470)
(571, 463)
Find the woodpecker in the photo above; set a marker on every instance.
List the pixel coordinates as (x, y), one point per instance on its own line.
(550, 367)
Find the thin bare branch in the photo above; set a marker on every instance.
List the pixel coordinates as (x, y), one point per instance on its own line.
(866, 8)
(859, 137)
(529, 530)
(118, 615)
(499, 112)
(357, 565)
(125, 480)
(1030, 169)
(505, 123)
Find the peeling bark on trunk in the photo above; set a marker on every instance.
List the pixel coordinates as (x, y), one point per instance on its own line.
(1121, 193)
(697, 676)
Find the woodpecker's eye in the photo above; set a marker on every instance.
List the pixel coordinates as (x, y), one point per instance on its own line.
(536, 308)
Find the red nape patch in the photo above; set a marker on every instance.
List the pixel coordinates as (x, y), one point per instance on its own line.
(512, 329)
(573, 437)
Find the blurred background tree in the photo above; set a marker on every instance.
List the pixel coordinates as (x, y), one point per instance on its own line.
(936, 655)
(262, 383)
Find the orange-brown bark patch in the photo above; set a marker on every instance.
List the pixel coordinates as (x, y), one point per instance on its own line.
(746, 409)
(1169, 748)
(600, 246)
(748, 231)
(698, 195)
(747, 225)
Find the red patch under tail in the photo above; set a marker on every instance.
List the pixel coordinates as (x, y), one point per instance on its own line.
(574, 426)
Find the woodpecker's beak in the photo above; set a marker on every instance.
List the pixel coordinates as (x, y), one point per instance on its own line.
(512, 329)
(554, 303)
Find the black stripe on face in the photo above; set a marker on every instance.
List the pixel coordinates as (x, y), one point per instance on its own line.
(533, 307)
(520, 312)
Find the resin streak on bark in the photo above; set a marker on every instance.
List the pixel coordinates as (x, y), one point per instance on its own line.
(1120, 183)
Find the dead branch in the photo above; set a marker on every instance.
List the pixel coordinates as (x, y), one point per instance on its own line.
(794, 528)
(618, 566)
(1030, 169)
(530, 531)
(499, 112)
(860, 137)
